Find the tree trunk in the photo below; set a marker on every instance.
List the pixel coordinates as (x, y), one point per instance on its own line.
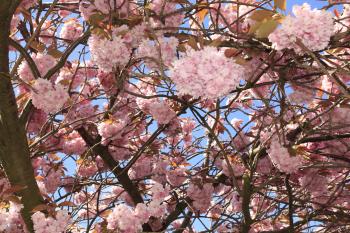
(14, 151)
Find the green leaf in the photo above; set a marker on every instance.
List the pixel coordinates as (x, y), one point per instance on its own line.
(95, 19)
(55, 53)
(281, 4)
(261, 15)
(266, 28)
(38, 46)
(193, 43)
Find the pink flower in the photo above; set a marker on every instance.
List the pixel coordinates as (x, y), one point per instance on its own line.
(161, 112)
(281, 158)
(177, 176)
(166, 7)
(71, 30)
(11, 220)
(47, 97)
(312, 27)
(74, 144)
(201, 196)
(160, 52)
(124, 219)
(44, 224)
(111, 129)
(109, 53)
(206, 73)
(26, 4)
(44, 63)
(159, 193)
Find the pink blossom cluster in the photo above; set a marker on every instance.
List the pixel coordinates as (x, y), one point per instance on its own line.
(67, 10)
(48, 174)
(132, 36)
(73, 144)
(48, 97)
(124, 219)
(89, 7)
(231, 16)
(136, 34)
(201, 196)
(145, 103)
(281, 157)
(301, 95)
(236, 202)
(159, 169)
(52, 180)
(111, 129)
(119, 151)
(122, 194)
(108, 82)
(87, 168)
(157, 108)
(44, 63)
(159, 53)
(166, 7)
(47, 32)
(264, 165)
(71, 76)
(313, 28)
(206, 73)
(80, 112)
(36, 121)
(71, 30)
(339, 115)
(236, 165)
(187, 126)
(26, 4)
(176, 176)
(43, 224)
(107, 53)
(128, 220)
(11, 219)
(143, 167)
(162, 112)
(315, 183)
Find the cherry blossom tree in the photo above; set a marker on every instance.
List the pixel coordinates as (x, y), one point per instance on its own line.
(174, 116)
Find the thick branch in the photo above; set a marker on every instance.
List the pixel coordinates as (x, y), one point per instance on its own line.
(102, 151)
(180, 207)
(14, 151)
(98, 149)
(290, 204)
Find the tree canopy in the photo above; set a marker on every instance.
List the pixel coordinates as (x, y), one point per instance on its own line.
(174, 116)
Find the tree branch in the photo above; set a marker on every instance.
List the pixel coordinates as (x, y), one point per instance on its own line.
(14, 151)
(102, 151)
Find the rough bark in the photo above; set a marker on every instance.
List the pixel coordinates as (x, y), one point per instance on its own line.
(14, 151)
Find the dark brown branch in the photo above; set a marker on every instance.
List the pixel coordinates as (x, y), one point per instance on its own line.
(325, 138)
(98, 149)
(102, 151)
(290, 203)
(180, 207)
(66, 54)
(246, 195)
(14, 151)
(185, 222)
(27, 57)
